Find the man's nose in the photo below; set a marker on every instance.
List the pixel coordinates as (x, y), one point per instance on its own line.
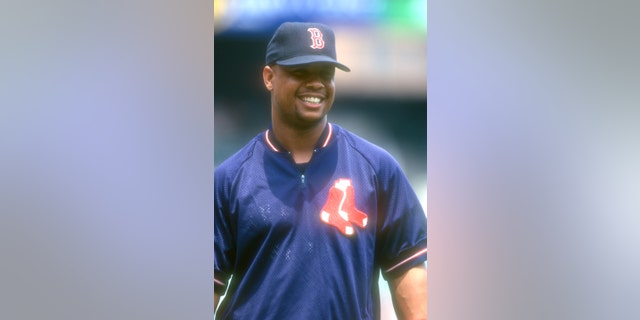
(314, 83)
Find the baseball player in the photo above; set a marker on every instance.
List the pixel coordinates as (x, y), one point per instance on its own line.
(307, 214)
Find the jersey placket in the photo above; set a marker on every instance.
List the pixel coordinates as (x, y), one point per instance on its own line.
(301, 168)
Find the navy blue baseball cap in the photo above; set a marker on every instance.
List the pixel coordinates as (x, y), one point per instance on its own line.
(297, 43)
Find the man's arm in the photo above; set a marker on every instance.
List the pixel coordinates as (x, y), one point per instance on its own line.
(409, 294)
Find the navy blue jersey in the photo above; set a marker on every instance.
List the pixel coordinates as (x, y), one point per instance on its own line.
(308, 242)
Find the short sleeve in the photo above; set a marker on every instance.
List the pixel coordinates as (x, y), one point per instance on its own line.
(402, 231)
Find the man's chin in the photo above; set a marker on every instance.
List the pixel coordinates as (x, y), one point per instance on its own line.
(307, 121)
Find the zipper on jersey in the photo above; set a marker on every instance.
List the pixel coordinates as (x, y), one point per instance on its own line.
(302, 168)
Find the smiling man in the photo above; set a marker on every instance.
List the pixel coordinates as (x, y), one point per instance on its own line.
(307, 214)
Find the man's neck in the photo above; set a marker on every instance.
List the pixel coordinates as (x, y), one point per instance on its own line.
(299, 141)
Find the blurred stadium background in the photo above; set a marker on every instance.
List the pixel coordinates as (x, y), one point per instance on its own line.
(383, 98)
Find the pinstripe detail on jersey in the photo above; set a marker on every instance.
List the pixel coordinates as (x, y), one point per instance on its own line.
(417, 254)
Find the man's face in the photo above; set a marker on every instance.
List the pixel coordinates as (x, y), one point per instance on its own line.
(301, 96)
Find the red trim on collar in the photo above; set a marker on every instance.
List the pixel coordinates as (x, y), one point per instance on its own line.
(266, 137)
(326, 142)
(328, 131)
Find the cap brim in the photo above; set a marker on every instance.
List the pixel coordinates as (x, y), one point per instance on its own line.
(312, 59)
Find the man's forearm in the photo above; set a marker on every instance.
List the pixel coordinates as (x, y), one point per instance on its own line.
(409, 294)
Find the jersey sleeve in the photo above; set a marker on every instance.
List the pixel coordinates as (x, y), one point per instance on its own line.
(402, 239)
(223, 242)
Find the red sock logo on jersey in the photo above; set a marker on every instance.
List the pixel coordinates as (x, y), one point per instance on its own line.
(340, 209)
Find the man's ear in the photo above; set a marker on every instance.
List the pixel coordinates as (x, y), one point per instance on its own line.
(267, 76)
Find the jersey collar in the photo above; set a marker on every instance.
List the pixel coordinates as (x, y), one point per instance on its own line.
(323, 141)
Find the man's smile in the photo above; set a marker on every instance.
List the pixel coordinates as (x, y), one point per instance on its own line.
(311, 99)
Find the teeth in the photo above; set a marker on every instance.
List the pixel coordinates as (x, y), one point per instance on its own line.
(311, 99)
